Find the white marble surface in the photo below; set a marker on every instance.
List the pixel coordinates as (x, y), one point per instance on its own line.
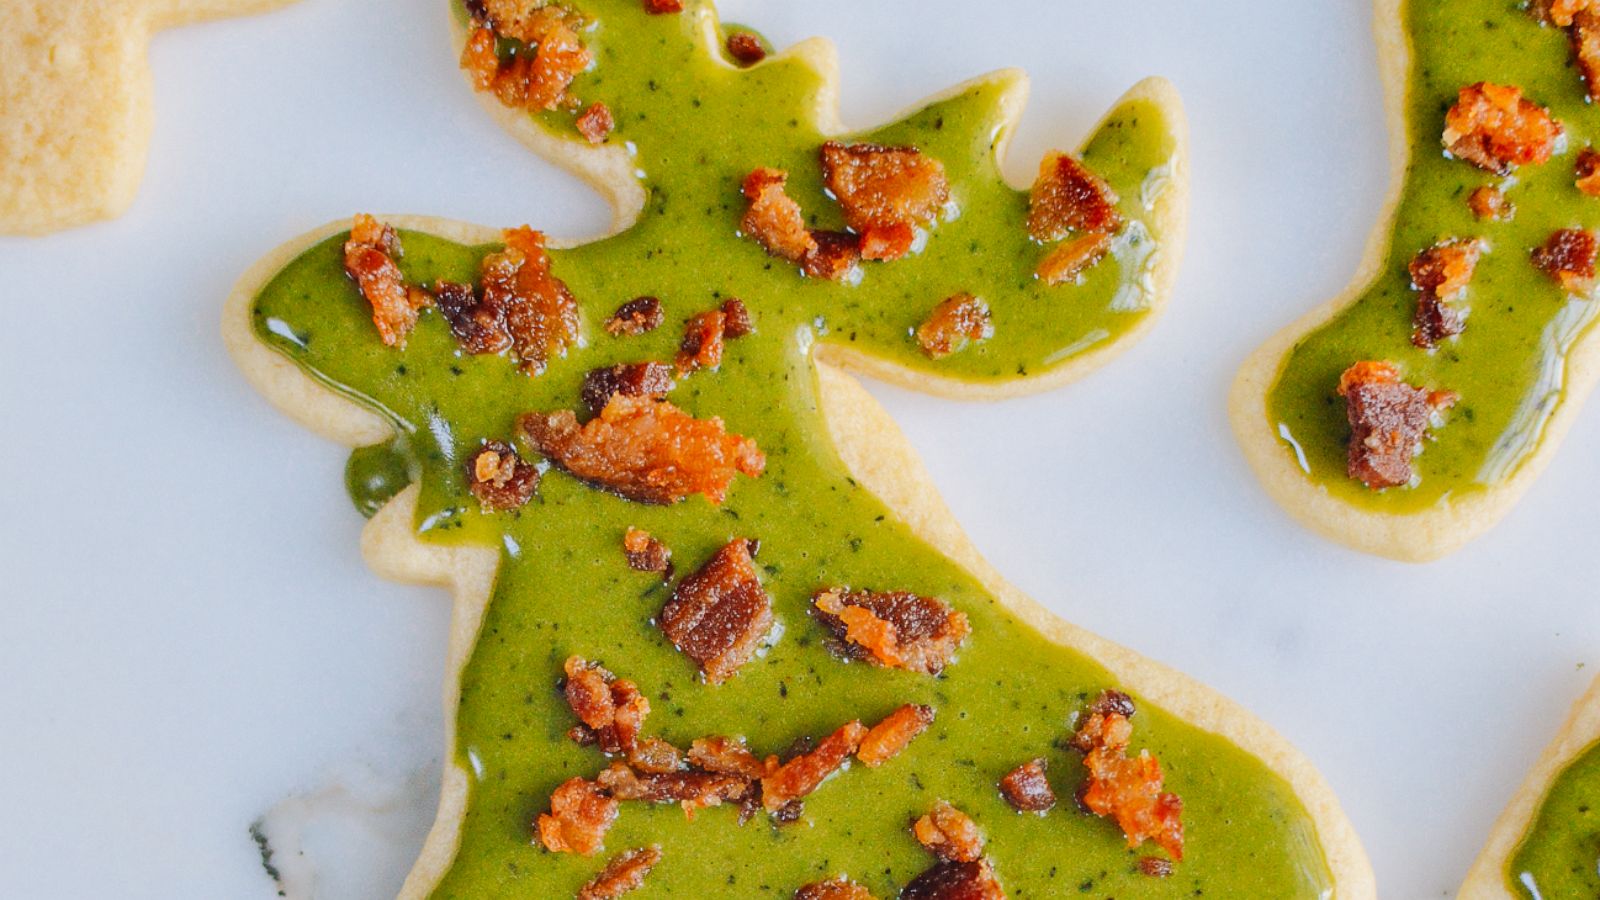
(188, 637)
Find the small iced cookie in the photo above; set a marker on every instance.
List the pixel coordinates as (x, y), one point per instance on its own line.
(75, 104)
(1475, 301)
(1544, 844)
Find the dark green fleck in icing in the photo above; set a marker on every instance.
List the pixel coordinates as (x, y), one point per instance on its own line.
(563, 587)
(1560, 854)
(1509, 365)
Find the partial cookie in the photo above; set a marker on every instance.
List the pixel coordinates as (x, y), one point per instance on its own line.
(1406, 416)
(1543, 845)
(694, 564)
(75, 90)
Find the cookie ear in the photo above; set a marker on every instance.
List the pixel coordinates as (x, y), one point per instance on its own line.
(77, 84)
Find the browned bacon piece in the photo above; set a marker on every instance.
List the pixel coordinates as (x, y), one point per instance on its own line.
(836, 888)
(955, 881)
(637, 316)
(623, 874)
(596, 123)
(692, 790)
(536, 80)
(1388, 419)
(885, 193)
(646, 554)
(645, 379)
(957, 320)
(656, 757)
(1027, 789)
(1070, 260)
(801, 775)
(736, 320)
(369, 259)
(660, 7)
(1494, 127)
(1126, 789)
(645, 450)
(746, 48)
(499, 478)
(727, 756)
(1585, 37)
(835, 256)
(1068, 197)
(949, 834)
(611, 709)
(718, 615)
(477, 323)
(1490, 204)
(1439, 274)
(540, 313)
(580, 815)
(773, 218)
(1155, 866)
(895, 629)
(1569, 257)
(885, 740)
(702, 341)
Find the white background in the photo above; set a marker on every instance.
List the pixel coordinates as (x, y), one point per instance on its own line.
(187, 634)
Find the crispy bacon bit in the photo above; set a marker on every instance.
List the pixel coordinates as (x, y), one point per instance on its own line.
(537, 77)
(520, 19)
(718, 615)
(1388, 419)
(540, 313)
(885, 740)
(1126, 789)
(499, 478)
(478, 324)
(702, 341)
(369, 259)
(580, 815)
(895, 629)
(646, 379)
(955, 881)
(611, 709)
(835, 256)
(727, 756)
(693, 790)
(624, 873)
(655, 756)
(659, 7)
(836, 888)
(1440, 274)
(1588, 171)
(801, 775)
(736, 321)
(1068, 197)
(596, 123)
(1490, 204)
(885, 193)
(645, 450)
(646, 554)
(1027, 789)
(1558, 12)
(949, 834)
(1070, 260)
(1585, 37)
(1494, 127)
(953, 323)
(745, 47)
(1569, 257)
(773, 218)
(637, 316)
(1155, 866)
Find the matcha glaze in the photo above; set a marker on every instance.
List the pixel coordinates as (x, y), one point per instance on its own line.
(1560, 854)
(563, 587)
(1509, 366)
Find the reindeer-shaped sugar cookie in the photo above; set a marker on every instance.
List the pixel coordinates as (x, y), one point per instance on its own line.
(714, 633)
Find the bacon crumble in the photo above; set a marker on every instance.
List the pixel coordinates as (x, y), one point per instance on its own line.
(647, 554)
(1067, 197)
(955, 881)
(626, 872)
(691, 790)
(885, 193)
(538, 75)
(1127, 789)
(596, 123)
(958, 320)
(949, 834)
(1388, 419)
(885, 740)
(1569, 257)
(1489, 203)
(728, 756)
(1155, 866)
(1587, 171)
(477, 323)
(645, 450)
(637, 316)
(1440, 274)
(661, 7)
(580, 815)
(611, 709)
(801, 775)
(646, 379)
(1494, 127)
(836, 256)
(773, 218)
(1581, 20)
(836, 888)
(745, 47)
(718, 615)
(1027, 789)
(1070, 260)
(541, 314)
(894, 629)
(499, 478)
(369, 260)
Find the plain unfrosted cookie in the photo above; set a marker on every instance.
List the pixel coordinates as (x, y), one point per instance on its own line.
(75, 103)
